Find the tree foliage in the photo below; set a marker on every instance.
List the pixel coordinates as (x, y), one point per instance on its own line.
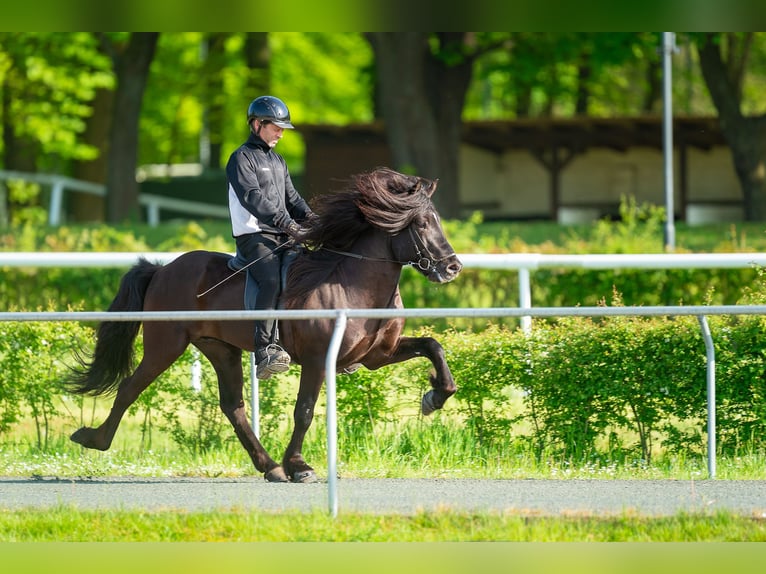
(422, 84)
(48, 81)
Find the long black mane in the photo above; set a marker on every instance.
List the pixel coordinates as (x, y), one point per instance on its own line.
(383, 198)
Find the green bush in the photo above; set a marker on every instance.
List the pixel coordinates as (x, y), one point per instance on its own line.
(620, 388)
(639, 230)
(34, 357)
(575, 388)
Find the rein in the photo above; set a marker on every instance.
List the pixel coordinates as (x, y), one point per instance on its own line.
(423, 263)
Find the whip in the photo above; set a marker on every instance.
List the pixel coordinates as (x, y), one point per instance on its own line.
(225, 279)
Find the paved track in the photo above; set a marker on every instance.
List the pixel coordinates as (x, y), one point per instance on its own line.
(385, 496)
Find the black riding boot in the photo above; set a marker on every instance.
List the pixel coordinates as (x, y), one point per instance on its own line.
(270, 358)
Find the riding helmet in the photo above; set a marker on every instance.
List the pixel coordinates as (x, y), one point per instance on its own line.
(271, 109)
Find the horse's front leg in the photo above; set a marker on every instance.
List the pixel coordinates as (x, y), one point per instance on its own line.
(227, 362)
(293, 463)
(442, 384)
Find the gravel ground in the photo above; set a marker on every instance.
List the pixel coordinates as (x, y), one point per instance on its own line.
(400, 496)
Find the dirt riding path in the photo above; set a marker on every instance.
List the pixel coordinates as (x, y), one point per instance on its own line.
(385, 496)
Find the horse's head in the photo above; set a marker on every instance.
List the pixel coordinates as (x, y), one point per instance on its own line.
(423, 244)
(397, 205)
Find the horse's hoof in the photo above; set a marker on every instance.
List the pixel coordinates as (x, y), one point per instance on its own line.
(85, 437)
(427, 405)
(276, 474)
(305, 476)
(78, 436)
(351, 369)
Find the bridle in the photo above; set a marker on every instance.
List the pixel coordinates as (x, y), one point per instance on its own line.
(425, 262)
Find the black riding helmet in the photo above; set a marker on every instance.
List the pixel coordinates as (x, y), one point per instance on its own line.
(270, 109)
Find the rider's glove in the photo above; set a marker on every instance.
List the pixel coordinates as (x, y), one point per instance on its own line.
(295, 231)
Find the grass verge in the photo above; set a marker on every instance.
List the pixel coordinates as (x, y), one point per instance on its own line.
(72, 525)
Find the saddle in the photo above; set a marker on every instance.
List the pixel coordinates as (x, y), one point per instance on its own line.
(237, 263)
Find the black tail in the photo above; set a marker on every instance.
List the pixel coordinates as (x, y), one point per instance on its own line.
(113, 357)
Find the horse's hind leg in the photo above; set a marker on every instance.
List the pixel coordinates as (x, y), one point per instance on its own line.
(227, 362)
(160, 351)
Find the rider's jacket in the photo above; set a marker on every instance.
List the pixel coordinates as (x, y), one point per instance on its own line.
(261, 194)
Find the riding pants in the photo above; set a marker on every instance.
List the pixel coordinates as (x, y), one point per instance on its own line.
(266, 272)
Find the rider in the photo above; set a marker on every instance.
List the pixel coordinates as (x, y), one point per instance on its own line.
(266, 211)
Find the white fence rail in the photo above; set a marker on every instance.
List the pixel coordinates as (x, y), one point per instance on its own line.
(523, 263)
(154, 203)
(342, 315)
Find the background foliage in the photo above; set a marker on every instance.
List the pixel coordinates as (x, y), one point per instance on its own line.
(58, 90)
(609, 391)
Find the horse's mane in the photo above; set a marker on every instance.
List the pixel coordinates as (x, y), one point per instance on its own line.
(383, 198)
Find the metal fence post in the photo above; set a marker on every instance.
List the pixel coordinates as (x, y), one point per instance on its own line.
(525, 299)
(57, 199)
(710, 351)
(332, 416)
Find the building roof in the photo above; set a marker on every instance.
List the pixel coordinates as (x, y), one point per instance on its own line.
(576, 134)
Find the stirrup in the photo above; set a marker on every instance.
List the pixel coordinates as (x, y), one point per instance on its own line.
(276, 361)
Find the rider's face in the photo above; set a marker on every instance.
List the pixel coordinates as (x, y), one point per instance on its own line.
(268, 132)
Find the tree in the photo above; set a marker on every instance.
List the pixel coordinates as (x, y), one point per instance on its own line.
(214, 49)
(131, 59)
(422, 83)
(324, 78)
(257, 59)
(723, 60)
(48, 82)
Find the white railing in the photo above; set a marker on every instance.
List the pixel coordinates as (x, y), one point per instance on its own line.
(153, 203)
(342, 315)
(524, 263)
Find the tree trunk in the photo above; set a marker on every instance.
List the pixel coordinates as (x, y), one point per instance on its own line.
(213, 125)
(584, 74)
(653, 95)
(421, 99)
(19, 151)
(131, 64)
(257, 58)
(82, 206)
(746, 136)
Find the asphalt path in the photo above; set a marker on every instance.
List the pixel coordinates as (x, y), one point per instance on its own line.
(532, 497)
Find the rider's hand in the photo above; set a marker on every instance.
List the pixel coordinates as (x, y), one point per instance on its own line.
(295, 231)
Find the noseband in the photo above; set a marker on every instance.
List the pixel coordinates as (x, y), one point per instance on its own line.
(424, 263)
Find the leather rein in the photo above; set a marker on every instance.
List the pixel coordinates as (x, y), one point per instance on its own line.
(423, 263)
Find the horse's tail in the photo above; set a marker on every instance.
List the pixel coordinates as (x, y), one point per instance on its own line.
(113, 357)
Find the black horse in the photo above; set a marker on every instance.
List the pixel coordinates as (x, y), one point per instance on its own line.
(355, 250)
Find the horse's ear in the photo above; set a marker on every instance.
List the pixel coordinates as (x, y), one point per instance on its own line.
(426, 186)
(432, 187)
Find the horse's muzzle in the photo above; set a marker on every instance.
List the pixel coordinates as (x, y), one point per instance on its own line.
(446, 270)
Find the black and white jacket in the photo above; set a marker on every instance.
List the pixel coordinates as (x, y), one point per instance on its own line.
(262, 197)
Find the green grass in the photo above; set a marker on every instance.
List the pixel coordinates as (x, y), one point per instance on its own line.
(434, 448)
(410, 450)
(72, 525)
